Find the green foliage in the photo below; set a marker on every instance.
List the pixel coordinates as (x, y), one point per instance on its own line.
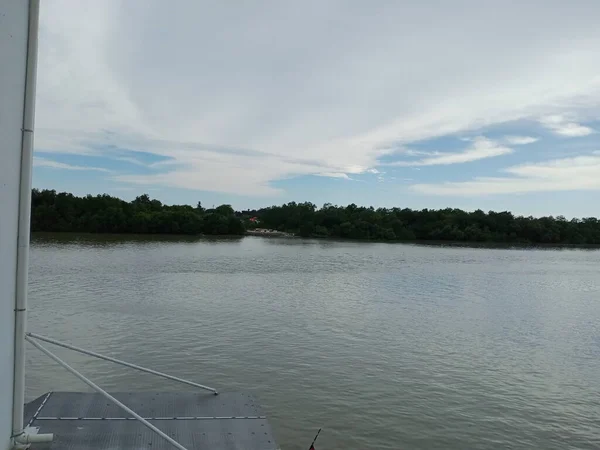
(53, 211)
(395, 224)
(307, 229)
(225, 210)
(105, 214)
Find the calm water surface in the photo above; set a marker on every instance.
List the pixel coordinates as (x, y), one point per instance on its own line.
(384, 346)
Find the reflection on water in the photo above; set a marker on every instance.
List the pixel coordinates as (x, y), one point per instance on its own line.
(103, 240)
(384, 346)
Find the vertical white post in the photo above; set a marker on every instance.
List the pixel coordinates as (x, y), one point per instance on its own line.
(24, 215)
(17, 92)
(13, 62)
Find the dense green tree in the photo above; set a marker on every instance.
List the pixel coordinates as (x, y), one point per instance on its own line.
(105, 214)
(396, 224)
(306, 229)
(52, 211)
(215, 224)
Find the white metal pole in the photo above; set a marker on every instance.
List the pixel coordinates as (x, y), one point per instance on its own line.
(104, 393)
(13, 62)
(118, 361)
(24, 218)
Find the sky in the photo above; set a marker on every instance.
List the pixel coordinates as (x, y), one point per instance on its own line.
(408, 103)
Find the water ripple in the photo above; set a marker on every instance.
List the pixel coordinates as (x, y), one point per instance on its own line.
(384, 346)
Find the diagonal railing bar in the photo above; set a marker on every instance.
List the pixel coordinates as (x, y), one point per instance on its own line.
(118, 361)
(101, 391)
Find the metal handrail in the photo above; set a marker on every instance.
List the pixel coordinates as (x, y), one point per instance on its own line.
(101, 391)
(118, 361)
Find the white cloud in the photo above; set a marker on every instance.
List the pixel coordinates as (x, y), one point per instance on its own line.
(131, 160)
(574, 130)
(412, 152)
(334, 175)
(222, 172)
(43, 162)
(562, 125)
(480, 148)
(238, 96)
(566, 174)
(73, 141)
(520, 140)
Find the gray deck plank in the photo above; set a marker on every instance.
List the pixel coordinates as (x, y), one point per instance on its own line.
(87, 421)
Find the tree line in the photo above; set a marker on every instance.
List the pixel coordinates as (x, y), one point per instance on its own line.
(53, 211)
(404, 224)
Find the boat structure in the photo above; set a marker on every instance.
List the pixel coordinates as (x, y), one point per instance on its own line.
(197, 417)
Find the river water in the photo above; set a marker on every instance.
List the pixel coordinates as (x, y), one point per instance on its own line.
(385, 346)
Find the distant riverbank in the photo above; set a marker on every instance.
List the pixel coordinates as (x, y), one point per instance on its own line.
(64, 212)
(264, 232)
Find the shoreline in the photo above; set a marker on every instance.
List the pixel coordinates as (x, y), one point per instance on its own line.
(263, 232)
(73, 235)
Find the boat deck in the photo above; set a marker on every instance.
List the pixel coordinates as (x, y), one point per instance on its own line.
(87, 421)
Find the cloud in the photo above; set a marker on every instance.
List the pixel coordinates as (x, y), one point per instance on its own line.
(334, 175)
(43, 162)
(412, 152)
(566, 174)
(480, 148)
(520, 140)
(131, 160)
(69, 141)
(561, 125)
(302, 88)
